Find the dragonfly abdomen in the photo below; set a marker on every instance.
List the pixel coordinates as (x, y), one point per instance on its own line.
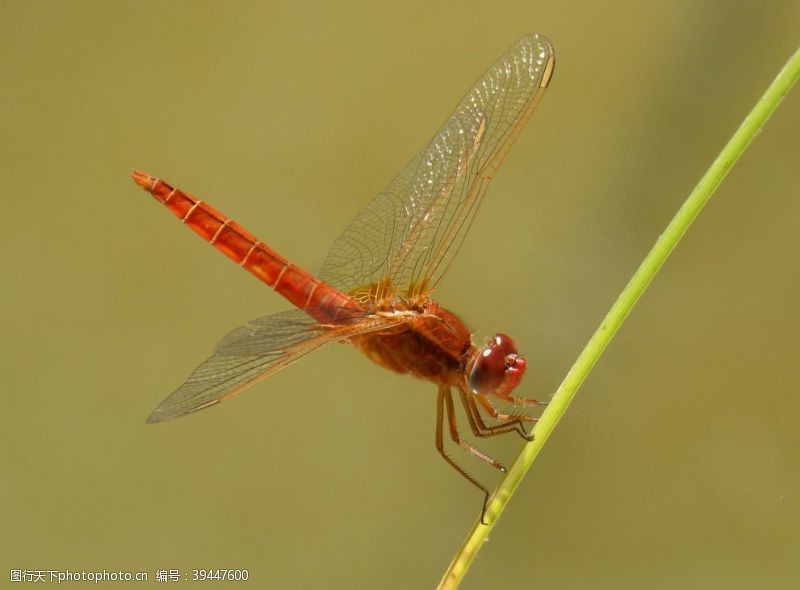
(298, 286)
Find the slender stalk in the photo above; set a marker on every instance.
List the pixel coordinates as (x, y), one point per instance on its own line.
(619, 311)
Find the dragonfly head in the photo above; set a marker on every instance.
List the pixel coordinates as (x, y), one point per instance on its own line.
(498, 367)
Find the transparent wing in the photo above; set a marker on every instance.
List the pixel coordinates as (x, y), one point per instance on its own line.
(255, 351)
(404, 240)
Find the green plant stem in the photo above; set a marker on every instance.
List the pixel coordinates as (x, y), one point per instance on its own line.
(619, 311)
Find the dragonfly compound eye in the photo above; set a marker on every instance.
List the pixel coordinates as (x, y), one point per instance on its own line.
(488, 370)
(505, 343)
(498, 368)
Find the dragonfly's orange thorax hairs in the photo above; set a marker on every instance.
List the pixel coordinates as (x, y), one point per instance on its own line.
(432, 344)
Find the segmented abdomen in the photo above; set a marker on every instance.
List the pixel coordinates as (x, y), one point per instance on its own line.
(300, 287)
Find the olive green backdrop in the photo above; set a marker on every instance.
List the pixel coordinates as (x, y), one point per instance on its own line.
(678, 466)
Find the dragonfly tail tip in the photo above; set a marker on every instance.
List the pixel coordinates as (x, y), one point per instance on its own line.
(143, 180)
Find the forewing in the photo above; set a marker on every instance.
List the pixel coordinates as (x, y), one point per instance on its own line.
(255, 351)
(404, 240)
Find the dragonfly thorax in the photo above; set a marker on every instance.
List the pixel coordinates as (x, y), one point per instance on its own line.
(431, 343)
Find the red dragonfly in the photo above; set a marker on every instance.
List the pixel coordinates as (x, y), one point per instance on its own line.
(374, 288)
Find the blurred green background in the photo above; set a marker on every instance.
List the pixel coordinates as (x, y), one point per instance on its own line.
(678, 464)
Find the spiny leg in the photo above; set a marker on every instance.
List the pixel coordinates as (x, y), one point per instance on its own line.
(517, 418)
(479, 427)
(524, 401)
(497, 415)
(451, 418)
(505, 422)
(440, 409)
(476, 423)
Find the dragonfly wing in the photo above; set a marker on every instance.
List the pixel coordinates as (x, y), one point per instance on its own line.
(255, 351)
(404, 240)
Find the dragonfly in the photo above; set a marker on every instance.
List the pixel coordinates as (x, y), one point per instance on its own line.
(374, 289)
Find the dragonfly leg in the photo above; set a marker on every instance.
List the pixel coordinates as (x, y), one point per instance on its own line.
(479, 427)
(451, 420)
(441, 405)
(524, 401)
(517, 418)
